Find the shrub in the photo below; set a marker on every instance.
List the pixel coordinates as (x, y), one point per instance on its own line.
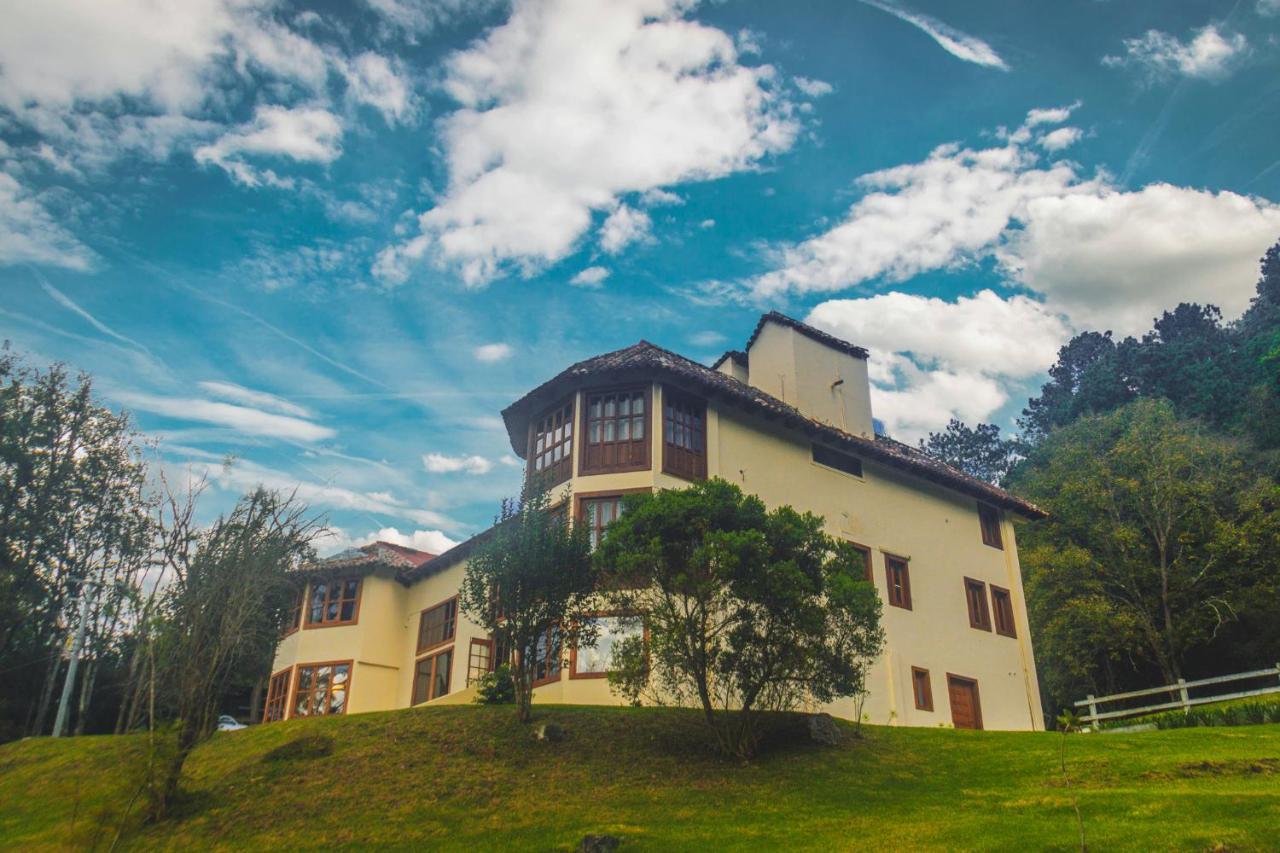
(496, 688)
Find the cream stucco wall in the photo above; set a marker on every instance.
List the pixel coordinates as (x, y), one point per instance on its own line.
(887, 511)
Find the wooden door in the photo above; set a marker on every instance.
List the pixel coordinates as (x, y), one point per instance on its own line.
(966, 712)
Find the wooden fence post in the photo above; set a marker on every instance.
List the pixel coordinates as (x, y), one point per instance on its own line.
(1186, 698)
(1093, 709)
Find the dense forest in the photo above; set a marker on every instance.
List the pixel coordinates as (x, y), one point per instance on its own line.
(1158, 459)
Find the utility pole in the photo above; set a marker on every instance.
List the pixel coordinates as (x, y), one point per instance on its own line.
(60, 722)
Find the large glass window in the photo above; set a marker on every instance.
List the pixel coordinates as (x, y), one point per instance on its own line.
(596, 660)
(547, 658)
(431, 677)
(334, 602)
(437, 625)
(322, 689)
(684, 435)
(599, 513)
(277, 697)
(551, 444)
(616, 431)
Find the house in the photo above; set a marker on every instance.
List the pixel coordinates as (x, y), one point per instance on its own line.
(788, 418)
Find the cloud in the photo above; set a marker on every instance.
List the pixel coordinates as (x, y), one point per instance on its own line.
(539, 143)
(489, 353)
(373, 80)
(304, 134)
(1103, 256)
(29, 234)
(958, 44)
(591, 278)
(707, 338)
(244, 419)
(932, 360)
(1063, 137)
(431, 541)
(256, 399)
(813, 88)
(624, 226)
(439, 463)
(1267, 8)
(1210, 55)
(413, 18)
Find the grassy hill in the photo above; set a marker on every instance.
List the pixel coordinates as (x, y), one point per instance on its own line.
(471, 778)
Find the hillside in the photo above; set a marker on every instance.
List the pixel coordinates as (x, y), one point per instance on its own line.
(471, 778)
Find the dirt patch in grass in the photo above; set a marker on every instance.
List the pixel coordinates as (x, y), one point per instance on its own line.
(1201, 769)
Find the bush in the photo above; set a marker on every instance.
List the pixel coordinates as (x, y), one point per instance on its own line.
(496, 688)
(1245, 712)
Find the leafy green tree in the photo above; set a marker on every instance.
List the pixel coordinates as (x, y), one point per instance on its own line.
(979, 451)
(747, 609)
(528, 584)
(1089, 376)
(1145, 555)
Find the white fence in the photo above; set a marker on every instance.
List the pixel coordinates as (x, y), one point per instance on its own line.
(1184, 701)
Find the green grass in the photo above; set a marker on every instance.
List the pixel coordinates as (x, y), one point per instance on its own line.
(1250, 711)
(471, 778)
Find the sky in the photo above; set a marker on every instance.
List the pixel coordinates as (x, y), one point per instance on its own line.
(321, 246)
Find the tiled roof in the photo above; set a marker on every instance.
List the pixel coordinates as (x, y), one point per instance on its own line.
(365, 559)
(646, 361)
(738, 356)
(806, 330)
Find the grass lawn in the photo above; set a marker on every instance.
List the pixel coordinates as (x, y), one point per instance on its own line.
(472, 778)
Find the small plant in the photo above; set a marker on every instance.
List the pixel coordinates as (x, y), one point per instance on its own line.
(496, 688)
(1069, 722)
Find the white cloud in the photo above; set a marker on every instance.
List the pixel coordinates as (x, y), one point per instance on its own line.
(1103, 256)
(29, 234)
(591, 278)
(413, 18)
(813, 88)
(554, 126)
(489, 353)
(243, 419)
(1063, 137)
(304, 134)
(707, 338)
(372, 80)
(624, 226)
(932, 360)
(1268, 8)
(960, 45)
(439, 463)
(431, 541)
(1210, 55)
(256, 399)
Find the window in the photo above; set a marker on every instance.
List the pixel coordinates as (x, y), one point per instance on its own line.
(594, 661)
(684, 435)
(863, 566)
(599, 513)
(829, 458)
(277, 697)
(295, 613)
(321, 689)
(437, 624)
(975, 593)
(921, 689)
(989, 521)
(546, 658)
(431, 677)
(551, 444)
(898, 580)
(616, 431)
(479, 660)
(334, 602)
(1002, 604)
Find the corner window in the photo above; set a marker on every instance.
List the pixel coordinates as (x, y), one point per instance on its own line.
(595, 661)
(975, 593)
(1002, 605)
(898, 580)
(551, 444)
(921, 689)
(436, 625)
(616, 431)
(989, 521)
(829, 458)
(277, 697)
(431, 677)
(321, 689)
(684, 435)
(334, 603)
(546, 658)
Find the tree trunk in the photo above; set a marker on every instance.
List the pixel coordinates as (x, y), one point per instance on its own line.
(86, 694)
(255, 701)
(46, 695)
(1175, 667)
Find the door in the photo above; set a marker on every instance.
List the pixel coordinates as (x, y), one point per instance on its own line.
(966, 712)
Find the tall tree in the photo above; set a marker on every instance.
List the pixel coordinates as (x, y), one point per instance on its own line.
(979, 451)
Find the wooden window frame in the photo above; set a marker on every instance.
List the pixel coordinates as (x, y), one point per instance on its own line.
(298, 613)
(580, 500)
(813, 457)
(422, 618)
(977, 698)
(483, 642)
(434, 657)
(975, 591)
(870, 573)
(999, 614)
(574, 675)
(284, 677)
(584, 436)
(561, 470)
(989, 524)
(307, 624)
(904, 601)
(927, 703)
(673, 454)
(559, 673)
(297, 680)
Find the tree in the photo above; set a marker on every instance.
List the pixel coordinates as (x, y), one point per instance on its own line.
(1089, 376)
(1145, 555)
(747, 609)
(528, 584)
(979, 452)
(224, 610)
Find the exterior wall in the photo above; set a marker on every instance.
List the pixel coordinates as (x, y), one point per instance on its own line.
(886, 511)
(827, 385)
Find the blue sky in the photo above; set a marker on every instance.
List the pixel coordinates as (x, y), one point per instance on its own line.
(333, 241)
